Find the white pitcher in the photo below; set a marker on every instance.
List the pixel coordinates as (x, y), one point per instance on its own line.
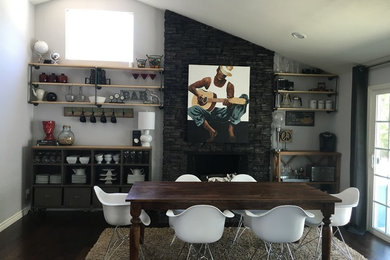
(38, 93)
(137, 171)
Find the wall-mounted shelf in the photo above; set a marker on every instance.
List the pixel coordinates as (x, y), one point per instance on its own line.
(306, 87)
(74, 71)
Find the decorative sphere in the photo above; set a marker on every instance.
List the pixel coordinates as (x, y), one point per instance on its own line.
(41, 47)
(278, 119)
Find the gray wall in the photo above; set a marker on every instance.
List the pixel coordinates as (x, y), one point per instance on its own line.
(16, 32)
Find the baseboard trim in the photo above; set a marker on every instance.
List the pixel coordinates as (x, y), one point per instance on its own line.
(18, 215)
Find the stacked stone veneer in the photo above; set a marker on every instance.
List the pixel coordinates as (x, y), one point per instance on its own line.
(190, 42)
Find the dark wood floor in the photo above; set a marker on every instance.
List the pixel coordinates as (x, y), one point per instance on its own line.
(71, 234)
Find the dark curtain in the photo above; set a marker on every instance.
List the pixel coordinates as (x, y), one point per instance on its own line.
(358, 165)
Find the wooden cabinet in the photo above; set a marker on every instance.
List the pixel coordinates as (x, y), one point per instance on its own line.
(134, 86)
(319, 169)
(55, 183)
(306, 87)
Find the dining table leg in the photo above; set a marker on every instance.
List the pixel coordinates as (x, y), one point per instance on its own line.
(135, 231)
(326, 232)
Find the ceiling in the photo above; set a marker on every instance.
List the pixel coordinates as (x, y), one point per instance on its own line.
(340, 33)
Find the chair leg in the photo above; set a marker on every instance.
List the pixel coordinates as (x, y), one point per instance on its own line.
(189, 252)
(115, 243)
(238, 229)
(208, 248)
(289, 251)
(344, 250)
(173, 240)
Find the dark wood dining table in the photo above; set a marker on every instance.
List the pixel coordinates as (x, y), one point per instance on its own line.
(226, 195)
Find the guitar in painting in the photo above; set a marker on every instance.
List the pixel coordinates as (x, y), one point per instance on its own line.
(209, 100)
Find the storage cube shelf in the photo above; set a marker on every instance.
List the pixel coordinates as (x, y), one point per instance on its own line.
(56, 183)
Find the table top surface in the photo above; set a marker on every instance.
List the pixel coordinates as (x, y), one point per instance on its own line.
(239, 194)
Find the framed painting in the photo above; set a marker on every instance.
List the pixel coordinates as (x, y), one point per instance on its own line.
(299, 118)
(218, 103)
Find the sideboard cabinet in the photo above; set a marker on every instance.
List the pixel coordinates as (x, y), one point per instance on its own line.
(319, 169)
(59, 182)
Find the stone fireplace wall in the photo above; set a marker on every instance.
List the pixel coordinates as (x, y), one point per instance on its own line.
(190, 42)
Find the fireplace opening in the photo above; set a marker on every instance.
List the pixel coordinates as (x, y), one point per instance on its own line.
(216, 164)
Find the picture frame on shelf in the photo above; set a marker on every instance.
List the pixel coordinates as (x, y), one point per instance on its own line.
(299, 118)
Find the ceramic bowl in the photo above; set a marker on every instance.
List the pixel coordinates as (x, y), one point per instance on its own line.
(71, 159)
(84, 159)
(99, 99)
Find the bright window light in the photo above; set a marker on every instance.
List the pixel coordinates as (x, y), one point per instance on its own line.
(99, 35)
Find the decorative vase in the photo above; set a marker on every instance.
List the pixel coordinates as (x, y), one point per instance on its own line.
(48, 128)
(66, 137)
(154, 60)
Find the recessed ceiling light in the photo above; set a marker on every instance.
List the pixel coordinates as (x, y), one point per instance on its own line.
(298, 35)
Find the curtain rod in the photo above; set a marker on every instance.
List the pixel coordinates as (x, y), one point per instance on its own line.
(378, 64)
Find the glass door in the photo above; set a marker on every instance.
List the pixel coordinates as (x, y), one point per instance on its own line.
(379, 160)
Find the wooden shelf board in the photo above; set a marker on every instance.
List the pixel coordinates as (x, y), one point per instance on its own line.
(93, 85)
(89, 103)
(307, 152)
(304, 109)
(306, 92)
(305, 75)
(62, 84)
(91, 147)
(128, 86)
(93, 67)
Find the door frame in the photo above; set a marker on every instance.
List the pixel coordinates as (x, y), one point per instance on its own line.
(372, 91)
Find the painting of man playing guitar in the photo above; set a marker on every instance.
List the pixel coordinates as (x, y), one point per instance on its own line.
(212, 100)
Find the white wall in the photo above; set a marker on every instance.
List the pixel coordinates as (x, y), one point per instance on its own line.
(149, 39)
(16, 31)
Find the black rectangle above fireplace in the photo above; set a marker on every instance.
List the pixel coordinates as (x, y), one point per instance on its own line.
(216, 164)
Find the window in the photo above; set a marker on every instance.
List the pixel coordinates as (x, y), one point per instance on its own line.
(99, 35)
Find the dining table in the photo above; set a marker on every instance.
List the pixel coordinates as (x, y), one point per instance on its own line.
(164, 195)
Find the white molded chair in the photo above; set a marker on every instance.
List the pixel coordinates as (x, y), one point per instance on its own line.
(187, 177)
(241, 178)
(116, 211)
(183, 178)
(282, 225)
(341, 217)
(199, 224)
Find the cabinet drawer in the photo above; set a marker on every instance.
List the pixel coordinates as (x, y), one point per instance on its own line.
(77, 197)
(95, 202)
(47, 197)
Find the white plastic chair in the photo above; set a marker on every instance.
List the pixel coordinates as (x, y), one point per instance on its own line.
(341, 217)
(241, 178)
(199, 224)
(184, 178)
(116, 211)
(187, 178)
(282, 225)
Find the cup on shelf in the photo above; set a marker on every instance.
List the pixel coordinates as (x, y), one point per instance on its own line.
(108, 158)
(329, 104)
(313, 104)
(321, 104)
(99, 158)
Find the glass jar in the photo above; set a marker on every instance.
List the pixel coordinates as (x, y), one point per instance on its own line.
(66, 137)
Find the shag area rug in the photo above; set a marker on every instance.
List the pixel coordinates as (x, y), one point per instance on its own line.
(157, 247)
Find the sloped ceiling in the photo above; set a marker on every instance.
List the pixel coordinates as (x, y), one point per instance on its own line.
(340, 33)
